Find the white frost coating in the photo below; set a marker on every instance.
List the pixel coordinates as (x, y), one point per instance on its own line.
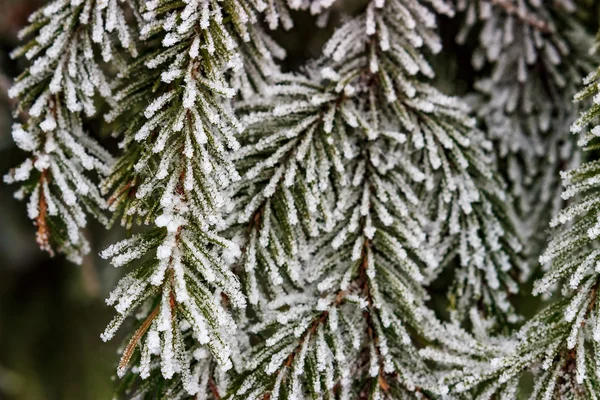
(25, 140)
(65, 79)
(381, 166)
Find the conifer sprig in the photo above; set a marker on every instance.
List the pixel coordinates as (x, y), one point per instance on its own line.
(288, 229)
(55, 92)
(559, 345)
(530, 58)
(386, 73)
(174, 174)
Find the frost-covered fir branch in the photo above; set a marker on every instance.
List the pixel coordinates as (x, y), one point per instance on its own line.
(483, 368)
(531, 56)
(67, 40)
(286, 225)
(310, 154)
(378, 59)
(313, 146)
(338, 338)
(285, 194)
(368, 249)
(207, 379)
(174, 172)
(559, 346)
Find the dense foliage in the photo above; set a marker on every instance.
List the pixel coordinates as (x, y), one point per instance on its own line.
(287, 228)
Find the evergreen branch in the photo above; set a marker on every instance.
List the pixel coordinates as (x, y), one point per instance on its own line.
(558, 345)
(55, 90)
(335, 201)
(527, 126)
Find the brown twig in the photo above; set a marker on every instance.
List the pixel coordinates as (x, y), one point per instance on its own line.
(309, 332)
(43, 232)
(364, 284)
(213, 388)
(128, 353)
(136, 338)
(115, 196)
